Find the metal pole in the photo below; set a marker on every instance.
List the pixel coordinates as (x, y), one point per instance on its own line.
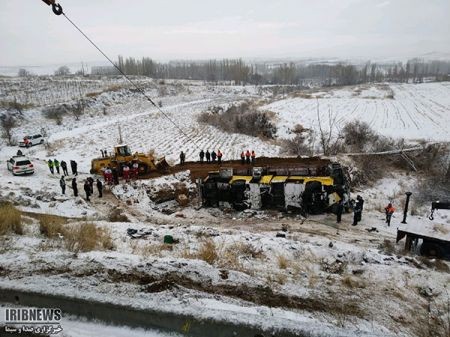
(405, 211)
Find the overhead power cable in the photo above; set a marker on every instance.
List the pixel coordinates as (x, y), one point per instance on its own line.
(57, 9)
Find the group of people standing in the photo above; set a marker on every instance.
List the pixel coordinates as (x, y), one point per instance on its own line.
(247, 156)
(55, 165)
(129, 170)
(358, 207)
(211, 156)
(88, 187)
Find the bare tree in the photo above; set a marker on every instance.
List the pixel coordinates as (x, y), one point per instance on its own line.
(8, 122)
(330, 143)
(78, 109)
(62, 71)
(23, 73)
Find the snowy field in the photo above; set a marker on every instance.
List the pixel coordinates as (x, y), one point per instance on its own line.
(325, 279)
(410, 111)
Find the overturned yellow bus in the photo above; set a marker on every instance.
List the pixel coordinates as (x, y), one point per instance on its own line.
(304, 189)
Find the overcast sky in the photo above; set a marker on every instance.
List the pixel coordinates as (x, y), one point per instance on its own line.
(30, 34)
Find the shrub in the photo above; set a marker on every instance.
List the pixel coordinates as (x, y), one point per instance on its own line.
(300, 145)
(50, 225)
(10, 219)
(243, 118)
(352, 282)
(282, 262)
(357, 135)
(208, 251)
(87, 237)
(56, 113)
(116, 215)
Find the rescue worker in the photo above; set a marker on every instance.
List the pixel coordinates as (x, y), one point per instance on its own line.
(247, 157)
(213, 156)
(208, 156)
(135, 170)
(202, 155)
(62, 183)
(115, 176)
(50, 166)
(219, 156)
(126, 173)
(91, 185)
(339, 210)
(73, 166)
(87, 190)
(99, 188)
(361, 202)
(182, 158)
(19, 152)
(357, 211)
(103, 154)
(75, 187)
(108, 176)
(242, 157)
(56, 164)
(64, 167)
(389, 209)
(253, 157)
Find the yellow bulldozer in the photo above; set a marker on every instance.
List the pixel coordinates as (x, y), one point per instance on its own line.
(123, 156)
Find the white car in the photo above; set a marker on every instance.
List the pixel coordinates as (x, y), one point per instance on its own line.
(19, 165)
(31, 140)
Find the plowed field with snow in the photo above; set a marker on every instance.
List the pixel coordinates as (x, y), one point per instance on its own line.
(410, 111)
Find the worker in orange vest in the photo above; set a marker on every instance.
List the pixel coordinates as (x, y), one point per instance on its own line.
(247, 157)
(219, 156)
(389, 209)
(253, 157)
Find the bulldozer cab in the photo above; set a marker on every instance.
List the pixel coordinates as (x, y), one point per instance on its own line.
(122, 151)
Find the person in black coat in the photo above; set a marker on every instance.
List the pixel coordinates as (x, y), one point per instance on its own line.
(182, 158)
(213, 156)
(357, 211)
(87, 190)
(339, 210)
(91, 184)
(115, 175)
(99, 188)
(202, 155)
(75, 187)
(74, 167)
(64, 168)
(208, 156)
(62, 183)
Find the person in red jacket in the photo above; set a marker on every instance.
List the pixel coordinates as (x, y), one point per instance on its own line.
(253, 157)
(247, 157)
(219, 156)
(389, 209)
(126, 173)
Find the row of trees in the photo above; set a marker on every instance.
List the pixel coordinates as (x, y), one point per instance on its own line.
(240, 72)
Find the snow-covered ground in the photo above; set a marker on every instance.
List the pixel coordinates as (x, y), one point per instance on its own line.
(414, 111)
(322, 277)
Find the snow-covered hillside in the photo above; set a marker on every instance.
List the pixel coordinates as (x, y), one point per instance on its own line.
(410, 111)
